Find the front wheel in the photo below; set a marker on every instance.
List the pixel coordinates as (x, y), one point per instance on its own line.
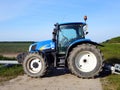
(85, 61)
(34, 65)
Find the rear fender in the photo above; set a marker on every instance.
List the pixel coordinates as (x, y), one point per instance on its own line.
(78, 42)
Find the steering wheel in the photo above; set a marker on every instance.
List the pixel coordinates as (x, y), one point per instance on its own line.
(64, 41)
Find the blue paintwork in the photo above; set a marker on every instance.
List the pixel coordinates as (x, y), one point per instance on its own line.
(80, 40)
(43, 45)
(49, 44)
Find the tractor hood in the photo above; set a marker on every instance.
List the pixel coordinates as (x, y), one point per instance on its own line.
(43, 45)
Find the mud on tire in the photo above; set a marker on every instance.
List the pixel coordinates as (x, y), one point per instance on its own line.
(85, 61)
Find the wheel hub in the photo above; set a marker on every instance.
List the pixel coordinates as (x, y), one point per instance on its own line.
(86, 61)
(35, 65)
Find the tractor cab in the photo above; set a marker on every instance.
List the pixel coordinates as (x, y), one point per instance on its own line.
(67, 33)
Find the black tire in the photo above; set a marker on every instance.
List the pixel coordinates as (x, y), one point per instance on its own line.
(85, 61)
(34, 65)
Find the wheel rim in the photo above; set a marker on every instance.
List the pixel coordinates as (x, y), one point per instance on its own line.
(86, 61)
(34, 65)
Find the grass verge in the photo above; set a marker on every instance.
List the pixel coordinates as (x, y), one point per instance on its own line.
(7, 73)
(111, 82)
(111, 53)
(10, 71)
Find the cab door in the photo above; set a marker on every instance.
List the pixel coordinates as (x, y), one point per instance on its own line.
(65, 37)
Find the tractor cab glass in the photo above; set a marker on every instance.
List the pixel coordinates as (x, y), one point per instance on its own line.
(68, 34)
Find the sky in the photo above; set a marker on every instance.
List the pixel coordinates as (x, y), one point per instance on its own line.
(33, 20)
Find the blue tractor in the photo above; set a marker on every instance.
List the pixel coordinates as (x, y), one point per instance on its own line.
(68, 48)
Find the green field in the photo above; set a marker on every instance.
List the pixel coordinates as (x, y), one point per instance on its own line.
(14, 47)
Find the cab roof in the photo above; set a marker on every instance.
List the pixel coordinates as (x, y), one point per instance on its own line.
(73, 23)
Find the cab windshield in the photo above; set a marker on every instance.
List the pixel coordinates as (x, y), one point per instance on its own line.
(68, 34)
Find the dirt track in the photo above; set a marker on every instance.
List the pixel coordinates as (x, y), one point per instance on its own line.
(59, 80)
(9, 55)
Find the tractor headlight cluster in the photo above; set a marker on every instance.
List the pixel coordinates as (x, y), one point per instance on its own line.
(32, 48)
(85, 28)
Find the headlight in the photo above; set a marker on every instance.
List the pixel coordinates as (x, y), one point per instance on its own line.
(85, 28)
(32, 48)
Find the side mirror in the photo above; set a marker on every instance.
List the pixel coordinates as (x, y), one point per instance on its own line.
(54, 31)
(54, 35)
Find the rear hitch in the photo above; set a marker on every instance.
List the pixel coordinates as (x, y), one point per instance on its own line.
(115, 69)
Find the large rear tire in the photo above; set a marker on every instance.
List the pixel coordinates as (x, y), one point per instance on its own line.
(34, 65)
(85, 61)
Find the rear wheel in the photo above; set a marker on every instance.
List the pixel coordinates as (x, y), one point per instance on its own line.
(34, 65)
(85, 61)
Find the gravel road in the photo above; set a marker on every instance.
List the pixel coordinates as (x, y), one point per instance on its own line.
(59, 80)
